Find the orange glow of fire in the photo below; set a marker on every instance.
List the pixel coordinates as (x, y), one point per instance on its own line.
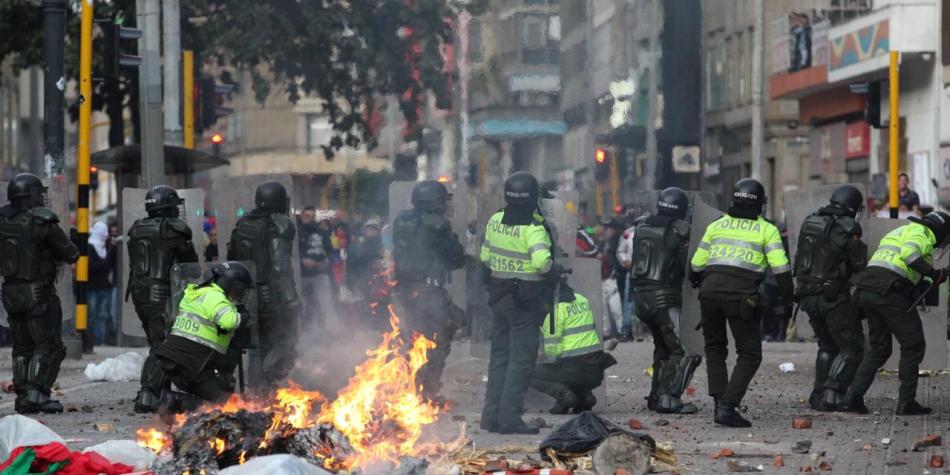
(379, 411)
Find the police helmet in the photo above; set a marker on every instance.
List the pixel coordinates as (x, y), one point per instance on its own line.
(523, 188)
(848, 198)
(673, 203)
(26, 190)
(233, 278)
(939, 223)
(748, 192)
(429, 193)
(272, 196)
(163, 200)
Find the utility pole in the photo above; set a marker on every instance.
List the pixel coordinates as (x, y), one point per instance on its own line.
(82, 163)
(758, 120)
(150, 94)
(54, 85)
(893, 129)
(171, 36)
(648, 181)
(188, 93)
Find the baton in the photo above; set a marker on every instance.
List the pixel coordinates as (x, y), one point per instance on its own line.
(921, 297)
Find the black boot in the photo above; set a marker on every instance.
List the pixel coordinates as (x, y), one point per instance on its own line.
(912, 408)
(519, 427)
(565, 400)
(669, 404)
(726, 415)
(653, 399)
(588, 401)
(147, 401)
(853, 403)
(830, 401)
(39, 401)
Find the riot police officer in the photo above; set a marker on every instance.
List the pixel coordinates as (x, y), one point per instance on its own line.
(896, 274)
(426, 251)
(32, 246)
(193, 354)
(660, 246)
(518, 252)
(728, 267)
(265, 236)
(830, 252)
(156, 243)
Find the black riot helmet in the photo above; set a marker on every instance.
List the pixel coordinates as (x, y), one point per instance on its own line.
(163, 201)
(748, 193)
(26, 191)
(673, 203)
(233, 278)
(272, 196)
(430, 195)
(939, 223)
(523, 188)
(848, 198)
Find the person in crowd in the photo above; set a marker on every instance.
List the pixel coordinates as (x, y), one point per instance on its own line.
(102, 257)
(211, 250)
(907, 198)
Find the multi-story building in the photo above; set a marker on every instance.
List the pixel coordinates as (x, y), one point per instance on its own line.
(842, 146)
(512, 91)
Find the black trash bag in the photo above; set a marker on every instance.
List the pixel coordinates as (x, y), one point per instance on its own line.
(584, 433)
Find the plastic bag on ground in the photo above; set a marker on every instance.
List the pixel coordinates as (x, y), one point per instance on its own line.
(283, 464)
(125, 452)
(584, 432)
(125, 367)
(21, 431)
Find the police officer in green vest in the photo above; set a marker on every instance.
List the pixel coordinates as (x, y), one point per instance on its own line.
(518, 252)
(900, 269)
(573, 362)
(660, 247)
(193, 353)
(728, 268)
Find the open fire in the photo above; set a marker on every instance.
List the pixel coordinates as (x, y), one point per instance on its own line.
(376, 419)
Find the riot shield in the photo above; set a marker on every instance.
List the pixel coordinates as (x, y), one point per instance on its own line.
(585, 280)
(184, 274)
(58, 199)
(480, 314)
(933, 314)
(400, 193)
(133, 208)
(561, 215)
(233, 197)
(799, 204)
(701, 215)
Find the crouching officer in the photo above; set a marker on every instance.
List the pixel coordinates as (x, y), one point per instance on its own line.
(156, 243)
(207, 319)
(32, 246)
(265, 237)
(425, 251)
(518, 253)
(887, 288)
(728, 268)
(660, 247)
(830, 252)
(573, 362)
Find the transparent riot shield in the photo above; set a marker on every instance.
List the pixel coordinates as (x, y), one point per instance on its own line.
(400, 194)
(480, 314)
(701, 215)
(58, 199)
(799, 204)
(585, 279)
(561, 215)
(133, 209)
(184, 274)
(933, 309)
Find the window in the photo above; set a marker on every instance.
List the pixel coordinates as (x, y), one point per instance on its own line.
(534, 31)
(318, 132)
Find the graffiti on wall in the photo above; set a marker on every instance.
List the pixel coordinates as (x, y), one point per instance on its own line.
(860, 45)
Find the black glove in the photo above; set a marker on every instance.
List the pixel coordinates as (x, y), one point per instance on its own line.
(695, 278)
(939, 275)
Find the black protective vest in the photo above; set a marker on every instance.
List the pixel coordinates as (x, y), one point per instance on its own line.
(249, 243)
(821, 255)
(413, 253)
(153, 243)
(23, 255)
(658, 252)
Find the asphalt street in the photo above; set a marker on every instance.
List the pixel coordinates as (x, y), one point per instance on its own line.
(877, 443)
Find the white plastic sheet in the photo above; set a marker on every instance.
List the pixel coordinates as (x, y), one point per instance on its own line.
(275, 465)
(21, 431)
(126, 452)
(125, 367)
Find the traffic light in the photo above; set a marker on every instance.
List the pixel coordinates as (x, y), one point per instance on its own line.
(216, 140)
(871, 91)
(212, 97)
(113, 57)
(93, 178)
(601, 164)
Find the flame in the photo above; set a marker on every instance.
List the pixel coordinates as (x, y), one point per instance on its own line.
(152, 439)
(217, 444)
(242, 459)
(379, 410)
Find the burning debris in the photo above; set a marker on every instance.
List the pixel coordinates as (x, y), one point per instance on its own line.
(377, 419)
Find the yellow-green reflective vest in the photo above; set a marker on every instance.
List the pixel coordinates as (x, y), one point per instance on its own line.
(574, 330)
(202, 312)
(902, 246)
(750, 244)
(516, 251)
